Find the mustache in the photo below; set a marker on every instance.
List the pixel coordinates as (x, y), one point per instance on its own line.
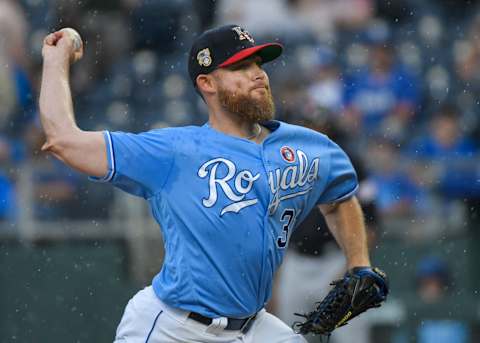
(260, 85)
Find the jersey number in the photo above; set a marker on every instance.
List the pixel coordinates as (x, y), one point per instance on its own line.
(288, 217)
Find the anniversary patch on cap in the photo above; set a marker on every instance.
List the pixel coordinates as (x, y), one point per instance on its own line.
(226, 45)
(204, 58)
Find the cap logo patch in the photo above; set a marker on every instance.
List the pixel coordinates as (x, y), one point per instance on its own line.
(287, 154)
(243, 34)
(204, 58)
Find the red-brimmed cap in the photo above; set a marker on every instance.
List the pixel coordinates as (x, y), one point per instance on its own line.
(267, 52)
(226, 45)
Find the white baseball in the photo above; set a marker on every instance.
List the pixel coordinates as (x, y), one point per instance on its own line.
(77, 40)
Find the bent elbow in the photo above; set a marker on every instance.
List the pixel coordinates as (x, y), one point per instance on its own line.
(54, 147)
(48, 146)
(57, 144)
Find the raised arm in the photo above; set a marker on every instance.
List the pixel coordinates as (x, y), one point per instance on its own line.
(82, 150)
(346, 222)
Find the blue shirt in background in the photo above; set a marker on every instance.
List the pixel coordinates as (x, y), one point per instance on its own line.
(376, 97)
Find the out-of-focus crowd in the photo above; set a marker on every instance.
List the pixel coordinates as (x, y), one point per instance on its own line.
(395, 83)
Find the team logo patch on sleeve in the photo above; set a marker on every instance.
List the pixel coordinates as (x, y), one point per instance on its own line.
(287, 154)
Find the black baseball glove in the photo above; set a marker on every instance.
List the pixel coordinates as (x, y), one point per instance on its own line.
(360, 289)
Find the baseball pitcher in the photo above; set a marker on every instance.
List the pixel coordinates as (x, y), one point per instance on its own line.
(227, 196)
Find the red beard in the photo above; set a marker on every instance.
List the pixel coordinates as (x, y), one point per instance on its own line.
(250, 109)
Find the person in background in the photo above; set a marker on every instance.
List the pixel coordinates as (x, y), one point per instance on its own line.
(8, 196)
(396, 192)
(432, 279)
(326, 89)
(467, 76)
(380, 99)
(433, 285)
(448, 156)
(17, 107)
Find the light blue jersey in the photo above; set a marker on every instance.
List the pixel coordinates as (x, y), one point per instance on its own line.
(226, 205)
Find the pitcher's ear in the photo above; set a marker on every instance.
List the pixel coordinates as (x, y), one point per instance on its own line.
(206, 84)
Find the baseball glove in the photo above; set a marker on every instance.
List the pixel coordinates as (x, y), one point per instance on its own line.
(360, 289)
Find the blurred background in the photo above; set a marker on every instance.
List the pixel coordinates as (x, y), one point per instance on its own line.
(395, 83)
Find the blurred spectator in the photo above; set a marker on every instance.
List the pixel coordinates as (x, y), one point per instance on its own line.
(326, 89)
(9, 153)
(7, 92)
(8, 201)
(395, 193)
(448, 157)
(468, 62)
(14, 30)
(433, 283)
(467, 67)
(16, 100)
(432, 280)
(381, 98)
(312, 93)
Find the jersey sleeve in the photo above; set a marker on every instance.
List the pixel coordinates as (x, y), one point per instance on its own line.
(138, 163)
(342, 181)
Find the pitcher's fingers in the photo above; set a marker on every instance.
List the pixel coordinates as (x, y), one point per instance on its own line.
(49, 39)
(53, 38)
